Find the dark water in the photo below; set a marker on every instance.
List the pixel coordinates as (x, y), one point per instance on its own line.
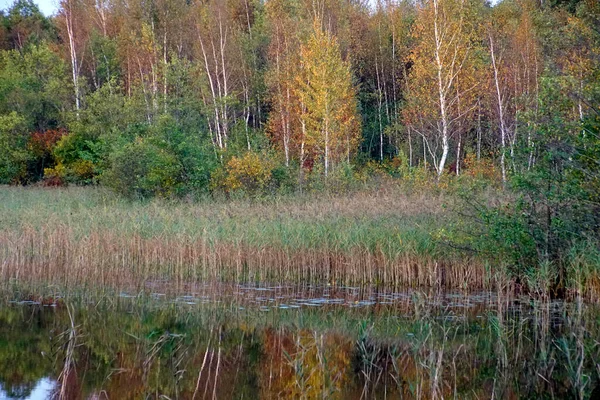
(233, 341)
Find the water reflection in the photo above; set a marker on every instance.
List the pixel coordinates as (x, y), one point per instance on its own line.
(239, 341)
(42, 390)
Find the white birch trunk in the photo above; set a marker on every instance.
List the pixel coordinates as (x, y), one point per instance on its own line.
(503, 133)
(441, 94)
(67, 5)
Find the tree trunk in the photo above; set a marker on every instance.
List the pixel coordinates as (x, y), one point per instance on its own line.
(500, 113)
(441, 94)
(68, 7)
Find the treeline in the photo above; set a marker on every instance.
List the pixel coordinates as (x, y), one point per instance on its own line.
(177, 96)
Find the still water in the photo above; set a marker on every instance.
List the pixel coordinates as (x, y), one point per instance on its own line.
(248, 342)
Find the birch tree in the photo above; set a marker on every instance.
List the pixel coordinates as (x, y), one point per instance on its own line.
(73, 25)
(324, 87)
(283, 125)
(501, 92)
(443, 57)
(219, 50)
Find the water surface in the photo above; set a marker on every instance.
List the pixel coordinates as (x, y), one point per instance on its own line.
(272, 341)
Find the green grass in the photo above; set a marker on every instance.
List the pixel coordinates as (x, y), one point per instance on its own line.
(387, 220)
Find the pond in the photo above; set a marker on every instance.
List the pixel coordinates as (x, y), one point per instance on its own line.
(271, 341)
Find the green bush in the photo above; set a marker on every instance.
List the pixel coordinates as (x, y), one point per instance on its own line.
(79, 159)
(195, 156)
(142, 169)
(284, 179)
(14, 156)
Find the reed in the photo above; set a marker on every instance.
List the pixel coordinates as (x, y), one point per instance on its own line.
(107, 259)
(86, 236)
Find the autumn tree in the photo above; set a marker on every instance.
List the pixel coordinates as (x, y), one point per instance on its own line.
(330, 124)
(283, 125)
(442, 79)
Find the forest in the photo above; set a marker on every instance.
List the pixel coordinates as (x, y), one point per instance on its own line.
(243, 94)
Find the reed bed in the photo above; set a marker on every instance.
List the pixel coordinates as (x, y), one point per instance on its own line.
(88, 236)
(107, 259)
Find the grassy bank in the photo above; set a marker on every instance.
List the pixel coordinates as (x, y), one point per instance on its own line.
(89, 236)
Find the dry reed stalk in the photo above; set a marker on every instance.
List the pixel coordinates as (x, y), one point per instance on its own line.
(66, 374)
(201, 370)
(106, 259)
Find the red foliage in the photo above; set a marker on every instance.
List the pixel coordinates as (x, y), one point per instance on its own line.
(42, 143)
(53, 181)
(308, 163)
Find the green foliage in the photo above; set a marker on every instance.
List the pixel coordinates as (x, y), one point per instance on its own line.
(284, 179)
(556, 208)
(79, 157)
(109, 122)
(195, 156)
(25, 26)
(142, 169)
(107, 68)
(14, 156)
(34, 84)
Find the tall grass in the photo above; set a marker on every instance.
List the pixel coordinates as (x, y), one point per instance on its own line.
(80, 236)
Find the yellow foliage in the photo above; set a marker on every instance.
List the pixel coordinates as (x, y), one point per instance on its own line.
(55, 176)
(79, 171)
(328, 100)
(251, 172)
(83, 169)
(59, 171)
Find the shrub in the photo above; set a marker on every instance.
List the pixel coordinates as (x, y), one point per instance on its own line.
(249, 173)
(142, 169)
(81, 158)
(283, 178)
(195, 155)
(55, 176)
(79, 172)
(41, 145)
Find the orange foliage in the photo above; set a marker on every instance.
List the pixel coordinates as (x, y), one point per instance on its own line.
(481, 169)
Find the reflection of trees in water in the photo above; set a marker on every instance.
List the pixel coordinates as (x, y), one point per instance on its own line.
(24, 342)
(19, 391)
(136, 352)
